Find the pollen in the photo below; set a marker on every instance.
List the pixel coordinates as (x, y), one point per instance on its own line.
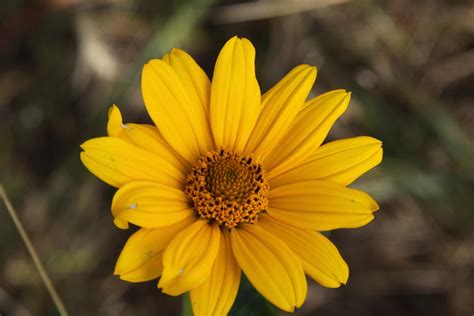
(227, 188)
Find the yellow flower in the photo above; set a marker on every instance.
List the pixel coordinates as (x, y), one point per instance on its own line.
(230, 180)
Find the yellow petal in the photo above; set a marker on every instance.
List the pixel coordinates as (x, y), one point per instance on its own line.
(179, 117)
(188, 259)
(106, 174)
(194, 79)
(235, 95)
(117, 161)
(114, 124)
(145, 136)
(341, 161)
(320, 258)
(280, 105)
(272, 268)
(321, 221)
(307, 131)
(320, 205)
(149, 204)
(217, 294)
(150, 138)
(141, 257)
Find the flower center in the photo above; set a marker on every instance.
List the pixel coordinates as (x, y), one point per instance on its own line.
(227, 188)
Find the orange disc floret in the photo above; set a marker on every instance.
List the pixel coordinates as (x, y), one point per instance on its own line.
(227, 188)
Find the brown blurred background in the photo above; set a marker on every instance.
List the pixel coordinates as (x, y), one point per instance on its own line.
(409, 64)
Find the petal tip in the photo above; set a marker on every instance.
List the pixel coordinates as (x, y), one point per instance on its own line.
(166, 57)
(370, 218)
(88, 144)
(372, 204)
(309, 71)
(115, 122)
(375, 207)
(344, 103)
(112, 108)
(373, 141)
(345, 279)
(159, 284)
(232, 40)
(348, 95)
(116, 270)
(176, 52)
(121, 223)
(236, 40)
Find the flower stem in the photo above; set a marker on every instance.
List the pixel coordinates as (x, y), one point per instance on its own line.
(39, 266)
(186, 309)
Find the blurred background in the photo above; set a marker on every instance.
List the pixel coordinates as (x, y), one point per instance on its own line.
(409, 64)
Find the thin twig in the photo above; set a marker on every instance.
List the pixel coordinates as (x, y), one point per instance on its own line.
(44, 275)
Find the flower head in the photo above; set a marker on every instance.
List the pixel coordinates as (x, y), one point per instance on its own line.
(230, 180)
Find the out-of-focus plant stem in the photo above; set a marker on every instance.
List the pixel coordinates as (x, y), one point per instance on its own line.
(186, 309)
(180, 25)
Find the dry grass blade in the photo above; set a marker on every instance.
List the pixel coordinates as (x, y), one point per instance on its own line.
(450, 70)
(268, 9)
(34, 255)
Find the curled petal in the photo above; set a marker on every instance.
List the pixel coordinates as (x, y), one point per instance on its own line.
(141, 257)
(144, 136)
(188, 259)
(115, 124)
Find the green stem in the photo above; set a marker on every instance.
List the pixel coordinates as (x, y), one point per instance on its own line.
(186, 308)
